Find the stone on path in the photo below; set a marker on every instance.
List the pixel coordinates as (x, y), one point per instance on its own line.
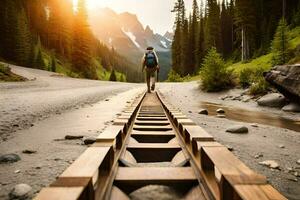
(20, 191)
(28, 151)
(203, 112)
(9, 158)
(237, 129)
(220, 110)
(73, 137)
(272, 100)
(270, 163)
(221, 116)
(292, 107)
(298, 162)
(281, 146)
(89, 140)
(258, 156)
(254, 125)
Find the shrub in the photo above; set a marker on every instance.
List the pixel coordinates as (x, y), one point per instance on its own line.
(214, 73)
(174, 77)
(113, 76)
(261, 86)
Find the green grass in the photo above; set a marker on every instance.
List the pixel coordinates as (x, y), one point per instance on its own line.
(7, 76)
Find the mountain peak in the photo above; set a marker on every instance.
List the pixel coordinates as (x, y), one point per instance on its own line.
(169, 35)
(148, 30)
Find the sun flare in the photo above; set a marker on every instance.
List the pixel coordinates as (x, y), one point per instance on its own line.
(94, 3)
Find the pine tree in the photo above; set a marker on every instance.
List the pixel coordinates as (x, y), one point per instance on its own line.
(113, 76)
(15, 40)
(246, 24)
(213, 28)
(201, 37)
(82, 38)
(177, 40)
(53, 64)
(39, 62)
(280, 44)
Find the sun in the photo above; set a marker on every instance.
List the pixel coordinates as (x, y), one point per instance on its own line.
(94, 3)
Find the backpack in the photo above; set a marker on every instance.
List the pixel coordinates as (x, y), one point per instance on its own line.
(150, 60)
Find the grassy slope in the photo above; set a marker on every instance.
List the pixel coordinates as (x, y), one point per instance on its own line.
(7, 76)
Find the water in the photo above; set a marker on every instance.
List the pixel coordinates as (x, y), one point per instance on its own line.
(239, 114)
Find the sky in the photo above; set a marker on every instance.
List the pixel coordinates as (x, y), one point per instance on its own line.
(155, 13)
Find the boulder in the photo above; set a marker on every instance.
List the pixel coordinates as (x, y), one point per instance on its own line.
(270, 163)
(272, 100)
(20, 191)
(292, 107)
(73, 137)
(9, 158)
(285, 78)
(220, 110)
(203, 112)
(89, 140)
(237, 129)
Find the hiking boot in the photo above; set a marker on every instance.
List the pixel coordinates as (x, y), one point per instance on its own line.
(153, 87)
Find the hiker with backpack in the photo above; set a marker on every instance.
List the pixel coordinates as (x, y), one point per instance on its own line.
(150, 65)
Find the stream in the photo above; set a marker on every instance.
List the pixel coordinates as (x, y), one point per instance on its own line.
(248, 116)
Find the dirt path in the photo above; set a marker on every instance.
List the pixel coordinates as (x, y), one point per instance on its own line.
(264, 139)
(24, 103)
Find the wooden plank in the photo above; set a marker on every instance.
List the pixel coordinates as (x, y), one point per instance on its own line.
(153, 152)
(61, 193)
(234, 170)
(153, 137)
(152, 122)
(197, 145)
(152, 128)
(261, 192)
(196, 133)
(153, 118)
(88, 164)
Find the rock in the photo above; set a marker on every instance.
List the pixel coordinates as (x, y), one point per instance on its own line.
(89, 140)
(254, 125)
(203, 112)
(270, 163)
(17, 171)
(230, 148)
(272, 100)
(296, 174)
(298, 162)
(291, 178)
(237, 129)
(106, 99)
(28, 151)
(281, 146)
(258, 156)
(221, 116)
(9, 158)
(20, 191)
(286, 79)
(220, 110)
(190, 111)
(73, 137)
(292, 107)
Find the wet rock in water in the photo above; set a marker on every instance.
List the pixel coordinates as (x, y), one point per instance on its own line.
(237, 129)
(220, 110)
(221, 116)
(272, 100)
(89, 140)
(29, 151)
(286, 79)
(292, 107)
(203, 112)
(20, 191)
(73, 137)
(9, 158)
(270, 163)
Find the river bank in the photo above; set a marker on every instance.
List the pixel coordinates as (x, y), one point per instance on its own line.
(263, 142)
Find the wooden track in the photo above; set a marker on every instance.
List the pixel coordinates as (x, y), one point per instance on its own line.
(153, 143)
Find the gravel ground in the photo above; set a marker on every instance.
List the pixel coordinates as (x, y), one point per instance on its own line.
(264, 140)
(56, 107)
(24, 103)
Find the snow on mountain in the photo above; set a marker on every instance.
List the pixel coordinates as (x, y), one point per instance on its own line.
(125, 32)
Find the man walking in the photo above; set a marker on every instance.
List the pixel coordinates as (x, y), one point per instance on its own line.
(150, 65)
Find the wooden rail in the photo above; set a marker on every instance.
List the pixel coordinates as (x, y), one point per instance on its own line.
(151, 130)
